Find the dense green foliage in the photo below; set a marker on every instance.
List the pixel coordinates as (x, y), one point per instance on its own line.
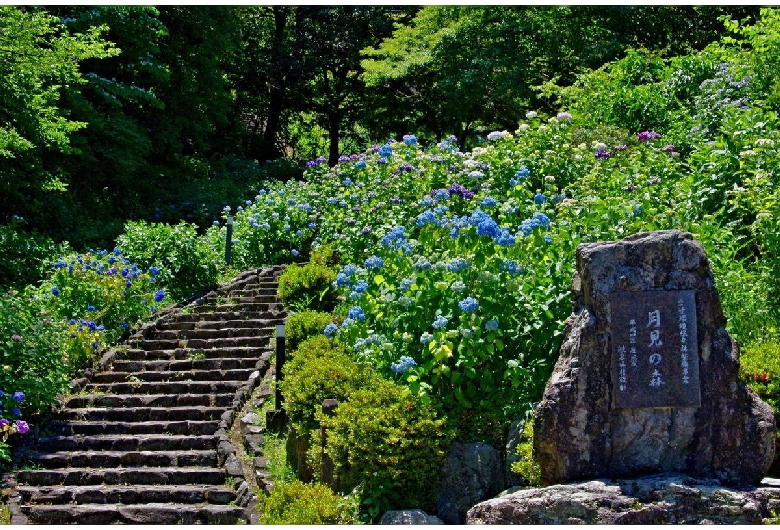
(319, 370)
(303, 325)
(389, 445)
(307, 287)
(304, 504)
(189, 264)
(166, 114)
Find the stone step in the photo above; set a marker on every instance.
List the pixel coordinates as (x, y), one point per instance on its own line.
(216, 332)
(149, 400)
(255, 290)
(123, 442)
(266, 323)
(152, 513)
(93, 428)
(185, 364)
(172, 387)
(137, 414)
(125, 459)
(193, 353)
(211, 316)
(75, 476)
(205, 344)
(258, 307)
(179, 375)
(219, 324)
(120, 494)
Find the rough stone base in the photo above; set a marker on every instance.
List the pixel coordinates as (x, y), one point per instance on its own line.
(652, 499)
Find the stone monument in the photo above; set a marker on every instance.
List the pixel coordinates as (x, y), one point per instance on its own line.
(647, 377)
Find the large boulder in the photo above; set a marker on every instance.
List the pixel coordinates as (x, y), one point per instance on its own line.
(675, 403)
(409, 517)
(656, 499)
(472, 473)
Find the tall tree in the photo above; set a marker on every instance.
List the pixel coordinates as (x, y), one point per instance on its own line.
(39, 59)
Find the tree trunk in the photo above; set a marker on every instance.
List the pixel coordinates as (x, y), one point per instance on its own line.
(277, 89)
(333, 137)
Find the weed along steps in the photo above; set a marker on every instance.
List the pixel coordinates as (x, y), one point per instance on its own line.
(144, 439)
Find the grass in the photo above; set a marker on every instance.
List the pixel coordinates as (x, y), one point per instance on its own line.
(5, 514)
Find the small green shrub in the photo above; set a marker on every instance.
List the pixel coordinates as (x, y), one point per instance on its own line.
(321, 369)
(388, 444)
(307, 287)
(760, 368)
(526, 466)
(33, 357)
(303, 325)
(188, 263)
(325, 255)
(300, 503)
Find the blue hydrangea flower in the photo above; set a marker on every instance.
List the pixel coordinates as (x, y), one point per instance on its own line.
(458, 286)
(90, 308)
(540, 198)
(385, 151)
(457, 265)
(440, 322)
(505, 239)
(426, 338)
(55, 291)
(402, 365)
(356, 313)
(347, 182)
(295, 253)
(548, 239)
(476, 175)
(360, 286)
(406, 283)
(468, 304)
(488, 202)
(374, 263)
(159, 295)
(510, 266)
(410, 139)
(466, 332)
(422, 264)
(361, 164)
(638, 210)
(350, 269)
(543, 220)
(491, 325)
(18, 397)
(440, 195)
(330, 330)
(427, 217)
(342, 280)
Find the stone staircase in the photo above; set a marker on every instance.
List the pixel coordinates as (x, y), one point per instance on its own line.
(144, 438)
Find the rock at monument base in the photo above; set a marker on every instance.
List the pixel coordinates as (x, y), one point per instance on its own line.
(409, 517)
(654, 499)
(722, 430)
(472, 473)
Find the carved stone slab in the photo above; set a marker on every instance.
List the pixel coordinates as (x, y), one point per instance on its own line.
(602, 417)
(655, 361)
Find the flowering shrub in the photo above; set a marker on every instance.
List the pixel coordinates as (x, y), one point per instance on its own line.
(33, 350)
(100, 295)
(185, 262)
(9, 408)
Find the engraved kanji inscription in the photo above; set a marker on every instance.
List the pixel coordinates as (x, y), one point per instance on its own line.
(655, 361)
